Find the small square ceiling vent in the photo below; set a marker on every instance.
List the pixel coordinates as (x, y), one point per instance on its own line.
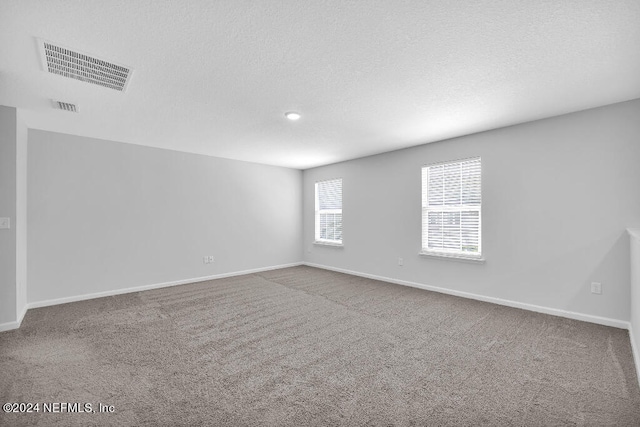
(66, 106)
(70, 63)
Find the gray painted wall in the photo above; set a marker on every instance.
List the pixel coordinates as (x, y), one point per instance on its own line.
(635, 295)
(8, 189)
(13, 198)
(105, 216)
(21, 216)
(558, 195)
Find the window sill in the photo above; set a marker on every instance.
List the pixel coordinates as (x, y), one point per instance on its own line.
(453, 257)
(335, 245)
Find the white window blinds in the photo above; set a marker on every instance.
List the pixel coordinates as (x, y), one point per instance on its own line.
(451, 208)
(329, 211)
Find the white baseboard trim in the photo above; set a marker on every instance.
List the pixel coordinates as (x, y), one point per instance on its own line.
(509, 303)
(22, 313)
(16, 324)
(636, 351)
(7, 326)
(531, 307)
(109, 293)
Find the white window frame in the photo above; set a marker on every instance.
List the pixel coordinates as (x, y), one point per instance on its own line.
(318, 212)
(442, 252)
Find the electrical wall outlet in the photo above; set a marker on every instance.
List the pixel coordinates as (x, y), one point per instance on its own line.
(208, 259)
(596, 288)
(400, 262)
(211, 259)
(5, 223)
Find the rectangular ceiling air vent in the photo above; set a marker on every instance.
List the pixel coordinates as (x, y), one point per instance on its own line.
(66, 106)
(70, 63)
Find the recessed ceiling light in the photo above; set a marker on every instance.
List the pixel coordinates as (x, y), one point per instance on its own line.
(291, 115)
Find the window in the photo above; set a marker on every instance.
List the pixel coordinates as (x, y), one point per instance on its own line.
(451, 209)
(329, 212)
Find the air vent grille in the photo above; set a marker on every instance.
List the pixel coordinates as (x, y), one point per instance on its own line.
(69, 63)
(66, 106)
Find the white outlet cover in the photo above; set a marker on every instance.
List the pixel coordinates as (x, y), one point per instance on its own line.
(596, 288)
(5, 222)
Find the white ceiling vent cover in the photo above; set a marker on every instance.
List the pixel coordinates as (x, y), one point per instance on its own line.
(70, 63)
(66, 106)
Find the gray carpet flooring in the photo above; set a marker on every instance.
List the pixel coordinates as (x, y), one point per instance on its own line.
(302, 346)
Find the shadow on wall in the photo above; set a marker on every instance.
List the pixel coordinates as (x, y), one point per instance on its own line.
(568, 274)
(609, 257)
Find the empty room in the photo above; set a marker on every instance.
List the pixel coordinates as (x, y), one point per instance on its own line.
(319, 213)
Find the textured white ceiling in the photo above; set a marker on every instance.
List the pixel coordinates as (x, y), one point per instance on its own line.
(369, 76)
